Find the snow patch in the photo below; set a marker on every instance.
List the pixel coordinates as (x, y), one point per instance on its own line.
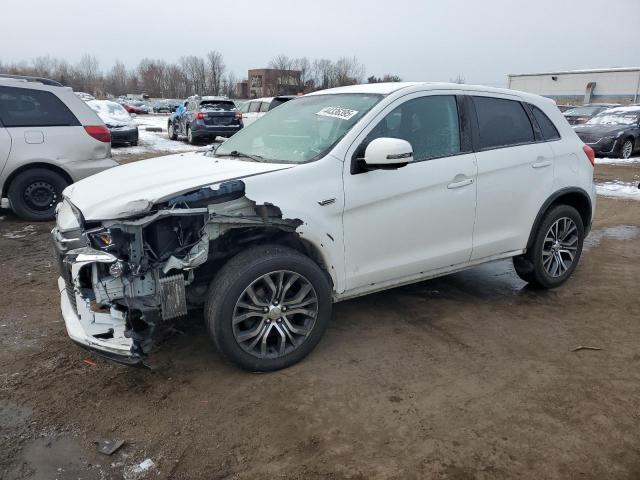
(617, 161)
(157, 141)
(618, 190)
(23, 232)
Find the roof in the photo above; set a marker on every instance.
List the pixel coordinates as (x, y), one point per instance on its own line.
(391, 87)
(566, 72)
(630, 109)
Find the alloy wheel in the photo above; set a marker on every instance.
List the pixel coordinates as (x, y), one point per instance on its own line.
(275, 314)
(627, 149)
(560, 247)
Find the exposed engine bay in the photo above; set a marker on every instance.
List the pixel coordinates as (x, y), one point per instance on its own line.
(124, 278)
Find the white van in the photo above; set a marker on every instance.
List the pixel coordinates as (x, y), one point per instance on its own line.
(337, 194)
(49, 138)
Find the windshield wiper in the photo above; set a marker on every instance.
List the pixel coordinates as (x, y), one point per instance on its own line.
(236, 153)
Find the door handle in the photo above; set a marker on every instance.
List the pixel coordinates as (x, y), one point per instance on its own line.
(542, 164)
(462, 183)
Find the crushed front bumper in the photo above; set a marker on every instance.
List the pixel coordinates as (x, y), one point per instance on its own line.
(118, 351)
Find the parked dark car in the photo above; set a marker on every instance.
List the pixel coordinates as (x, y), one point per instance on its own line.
(205, 118)
(583, 114)
(161, 106)
(614, 132)
(118, 121)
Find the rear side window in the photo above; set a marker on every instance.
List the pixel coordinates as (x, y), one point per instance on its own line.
(254, 107)
(23, 107)
(264, 107)
(549, 131)
(502, 122)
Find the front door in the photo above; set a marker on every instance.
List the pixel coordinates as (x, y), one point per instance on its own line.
(418, 218)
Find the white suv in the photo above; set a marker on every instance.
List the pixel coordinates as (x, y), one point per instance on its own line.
(49, 138)
(258, 107)
(337, 194)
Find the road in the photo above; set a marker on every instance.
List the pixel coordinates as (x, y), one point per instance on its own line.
(463, 377)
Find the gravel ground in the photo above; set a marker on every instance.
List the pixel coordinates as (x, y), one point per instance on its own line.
(467, 376)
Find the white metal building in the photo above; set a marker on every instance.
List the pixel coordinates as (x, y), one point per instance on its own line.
(614, 85)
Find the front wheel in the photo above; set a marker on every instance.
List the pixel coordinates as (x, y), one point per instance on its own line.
(626, 149)
(268, 307)
(556, 249)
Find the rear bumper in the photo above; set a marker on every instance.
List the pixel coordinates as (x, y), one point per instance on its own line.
(214, 130)
(124, 136)
(84, 168)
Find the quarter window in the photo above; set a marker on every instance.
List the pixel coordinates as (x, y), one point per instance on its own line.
(502, 122)
(549, 131)
(430, 124)
(22, 107)
(254, 107)
(264, 107)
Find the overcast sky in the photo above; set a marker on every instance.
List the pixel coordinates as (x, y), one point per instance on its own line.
(418, 40)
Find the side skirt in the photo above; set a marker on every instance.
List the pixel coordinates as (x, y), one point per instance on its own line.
(398, 282)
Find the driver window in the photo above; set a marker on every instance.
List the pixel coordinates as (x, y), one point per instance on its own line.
(430, 124)
(254, 107)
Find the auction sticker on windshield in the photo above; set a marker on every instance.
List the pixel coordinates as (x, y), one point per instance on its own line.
(337, 112)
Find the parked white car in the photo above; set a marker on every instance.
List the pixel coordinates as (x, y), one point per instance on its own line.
(49, 138)
(337, 194)
(258, 107)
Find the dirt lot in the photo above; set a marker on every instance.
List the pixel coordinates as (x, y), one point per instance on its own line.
(467, 376)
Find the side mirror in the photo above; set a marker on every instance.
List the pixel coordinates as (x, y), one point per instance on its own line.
(388, 153)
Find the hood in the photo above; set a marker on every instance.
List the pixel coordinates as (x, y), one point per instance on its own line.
(601, 130)
(133, 188)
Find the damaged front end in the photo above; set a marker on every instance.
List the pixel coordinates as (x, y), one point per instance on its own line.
(123, 279)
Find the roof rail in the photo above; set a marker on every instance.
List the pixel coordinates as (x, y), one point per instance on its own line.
(28, 78)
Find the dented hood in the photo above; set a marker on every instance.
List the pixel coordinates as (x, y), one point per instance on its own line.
(133, 188)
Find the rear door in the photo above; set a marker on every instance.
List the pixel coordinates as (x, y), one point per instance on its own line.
(515, 174)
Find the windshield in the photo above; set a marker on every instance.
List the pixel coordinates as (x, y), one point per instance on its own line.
(300, 131)
(217, 105)
(583, 111)
(615, 118)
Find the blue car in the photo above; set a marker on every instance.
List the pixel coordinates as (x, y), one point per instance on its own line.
(202, 119)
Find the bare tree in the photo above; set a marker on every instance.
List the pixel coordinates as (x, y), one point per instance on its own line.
(323, 73)
(195, 72)
(116, 79)
(215, 71)
(88, 74)
(304, 67)
(348, 71)
(459, 79)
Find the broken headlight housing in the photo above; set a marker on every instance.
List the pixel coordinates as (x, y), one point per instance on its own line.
(101, 239)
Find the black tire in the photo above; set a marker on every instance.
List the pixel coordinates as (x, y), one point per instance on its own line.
(530, 266)
(35, 193)
(228, 287)
(190, 138)
(172, 131)
(626, 148)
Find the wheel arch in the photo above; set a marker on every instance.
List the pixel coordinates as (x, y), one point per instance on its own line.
(31, 166)
(573, 196)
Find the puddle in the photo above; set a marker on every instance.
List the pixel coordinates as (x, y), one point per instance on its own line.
(620, 232)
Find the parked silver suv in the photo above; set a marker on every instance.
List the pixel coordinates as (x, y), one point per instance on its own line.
(49, 138)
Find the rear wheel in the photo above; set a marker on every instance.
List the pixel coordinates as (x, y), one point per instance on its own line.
(556, 249)
(268, 307)
(627, 148)
(190, 138)
(35, 193)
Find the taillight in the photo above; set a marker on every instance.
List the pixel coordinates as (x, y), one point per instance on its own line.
(591, 155)
(199, 115)
(99, 132)
(238, 117)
